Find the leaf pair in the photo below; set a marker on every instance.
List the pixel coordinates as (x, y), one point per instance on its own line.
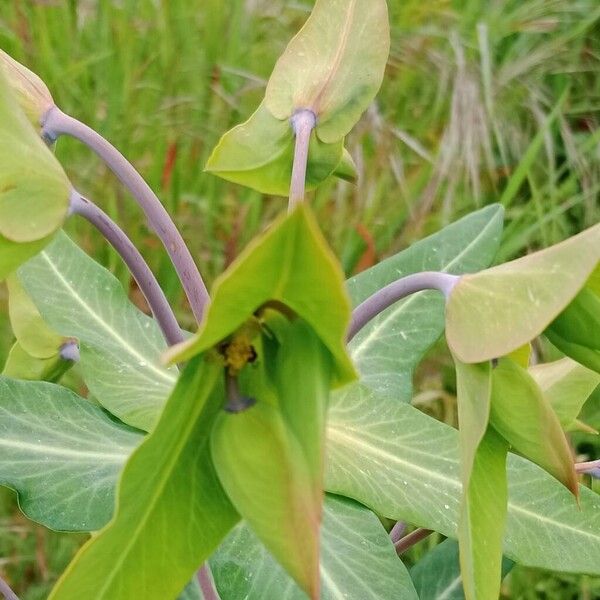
(333, 67)
(34, 190)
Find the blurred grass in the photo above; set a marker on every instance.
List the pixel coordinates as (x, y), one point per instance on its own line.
(484, 101)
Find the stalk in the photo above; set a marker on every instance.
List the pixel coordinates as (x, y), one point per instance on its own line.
(303, 122)
(56, 123)
(6, 591)
(207, 583)
(408, 541)
(396, 291)
(592, 467)
(136, 264)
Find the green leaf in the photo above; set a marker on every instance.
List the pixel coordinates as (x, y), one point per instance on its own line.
(264, 472)
(525, 418)
(171, 512)
(120, 346)
(483, 473)
(260, 152)
(61, 454)
(21, 365)
(388, 349)
(34, 190)
(334, 66)
(404, 465)
(347, 170)
(576, 331)
(291, 264)
(437, 575)
(491, 313)
(566, 385)
(358, 561)
(31, 92)
(32, 332)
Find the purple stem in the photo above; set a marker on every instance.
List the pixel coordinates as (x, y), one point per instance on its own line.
(135, 262)
(56, 123)
(303, 122)
(408, 541)
(6, 591)
(398, 531)
(207, 583)
(385, 297)
(592, 468)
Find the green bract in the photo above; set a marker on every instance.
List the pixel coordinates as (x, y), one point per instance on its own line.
(491, 313)
(34, 190)
(334, 66)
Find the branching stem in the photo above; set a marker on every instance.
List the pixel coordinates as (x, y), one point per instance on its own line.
(303, 122)
(135, 262)
(56, 123)
(398, 290)
(408, 541)
(6, 591)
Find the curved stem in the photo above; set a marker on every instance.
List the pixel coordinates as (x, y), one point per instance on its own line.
(398, 531)
(385, 297)
(408, 541)
(6, 591)
(592, 467)
(135, 262)
(303, 122)
(56, 123)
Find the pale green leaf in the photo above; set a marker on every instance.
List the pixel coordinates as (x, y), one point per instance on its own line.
(21, 365)
(334, 66)
(389, 348)
(171, 511)
(566, 385)
(120, 346)
(260, 152)
(405, 466)
(491, 313)
(61, 454)
(358, 561)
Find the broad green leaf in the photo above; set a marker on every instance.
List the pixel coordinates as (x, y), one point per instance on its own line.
(14, 254)
(21, 365)
(334, 66)
(491, 313)
(192, 591)
(437, 575)
(358, 561)
(525, 418)
(61, 454)
(31, 92)
(32, 332)
(171, 510)
(483, 519)
(260, 152)
(566, 385)
(120, 346)
(35, 191)
(576, 331)
(265, 474)
(292, 264)
(404, 465)
(483, 475)
(388, 349)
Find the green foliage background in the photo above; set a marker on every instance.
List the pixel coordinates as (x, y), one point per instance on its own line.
(484, 100)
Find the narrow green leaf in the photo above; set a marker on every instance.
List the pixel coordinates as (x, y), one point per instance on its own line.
(264, 471)
(358, 561)
(437, 575)
(292, 264)
(120, 346)
(404, 465)
(334, 66)
(388, 349)
(566, 385)
(35, 191)
(61, 454)
(491, 313)
(260, 152)
(171, 512)
(576, 331)
(525, 418)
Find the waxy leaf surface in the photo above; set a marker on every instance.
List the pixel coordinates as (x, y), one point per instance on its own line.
(358, 561)
(334, 66)
(120, 346)
(61, 454)
(388, 349)
(172, 512)
(491, 313)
